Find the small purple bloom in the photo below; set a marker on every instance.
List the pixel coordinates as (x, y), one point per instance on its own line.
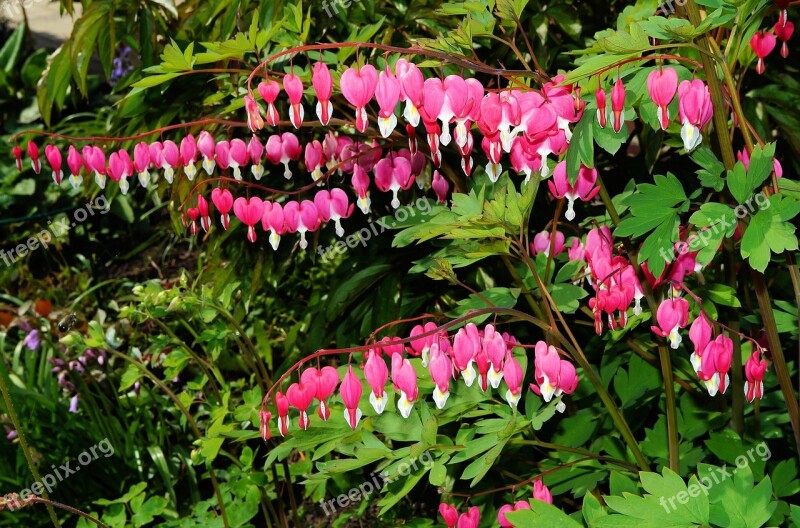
(12, 434)
(73, 404)
(32, 340)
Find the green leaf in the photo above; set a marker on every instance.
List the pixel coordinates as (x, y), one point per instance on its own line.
(581, 147)
(541, 514)
(770, 231)
(10, 52)
(723, 294)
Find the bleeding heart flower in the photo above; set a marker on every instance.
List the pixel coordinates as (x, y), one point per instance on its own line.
(323, 86)
(282, 403)
(783, 31)
(188, 156)
(376, 374)
(762, 43)
(269, 92)
(17, 151)
(33, 154)
(283, 149)
(449, 514)
(754, 371)
(387, 93)
(715, 364)
(255, 150)
(618, 104)
(75, 164)
(672, 315)
(300, 396)
(223, 201)
(53, 156)
(358, 87)
(392, 174)
(273, 220)
(695, 109)
(602, 111)
(350, 391)
(294, 89)
(206, 146)
(250, 213)
(325, 381)
(541, 492)
(662, 85)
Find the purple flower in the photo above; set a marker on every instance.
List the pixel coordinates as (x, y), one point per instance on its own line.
(12, 434)
(73, 404)
(32, 340)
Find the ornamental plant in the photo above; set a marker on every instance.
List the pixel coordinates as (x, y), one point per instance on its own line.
(601, 293)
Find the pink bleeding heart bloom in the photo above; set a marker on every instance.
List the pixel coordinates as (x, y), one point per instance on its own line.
(283, 149)
(754, 371)
(269, 92)
(404, 378)
(273, 221)
(95, 159)
(333, 205)
(494, 346)
(53, 156)
(542, 243)
(441, 370)
(783, 31)
(440, 186)
(358, 87)
(293, 87)
(282, 403)
(466, 345)
(411, 83)
(700, 333)
(471, 519)
(541, 492)
(265, 417)
(576, 250)
(554, 376)
(291, 216)
(421, 346)
(250, 213)
(662, 85)
(188, 156)
(323, 86)
(583, 190)
(506, 508)
(315, 159)
(695, 110)
(33, 154)
(449, 515)
(618, 104)
(513, 375)
(254, 120)
(387, 94)
(206, 146)
(762, 44)
(170, 159)
(672, 315)
(238, 157)
(222, 154)
(602, 110)
(17, 151)
(715, 364)
(309, 221)
(393, 174)
(300, 396)
(223, 201)
(202, 207)
(350, 391)
(117, 170)
(325, 381)
(377, 374)
(255, 150)
(75, 164)
(360, 181)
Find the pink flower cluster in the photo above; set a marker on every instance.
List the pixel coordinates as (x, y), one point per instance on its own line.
(473, 354)
(613, 278)
(527, 125)
(469, 519)
(694, 104)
